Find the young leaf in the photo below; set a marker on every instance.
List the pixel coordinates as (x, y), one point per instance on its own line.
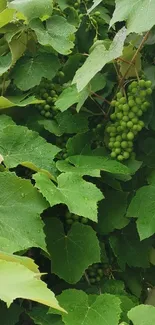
(75, 251)
(33, 8)
(6, 16)
(112, 216)
(34, 69)
(80, 196)
(58, 34)
(128, 248)
(19, 195)
(26, 261)
(105, 309)
(40, 316)
(142, 207)
(19, 145)
(98, 58)
(139, 15)
(142, 315)
(25, 284)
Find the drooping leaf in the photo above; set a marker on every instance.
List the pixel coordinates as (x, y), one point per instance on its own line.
(138, 14)
(98, 58)
(18, 46)
(21, 101)
(6, 16)
(112, 212)
(34, 69)
(10, 316)
(24, 283)
(128, 248)
(5, 63)
(40, 316)
(80, 196)
(33, 8)
(75, 251)
(142, 207)
(26, 261)
(82, 310)
(19, 145)
(58, 33)
(20, 206)
(142, 314)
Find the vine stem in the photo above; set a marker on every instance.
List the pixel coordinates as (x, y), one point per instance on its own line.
(134, 58)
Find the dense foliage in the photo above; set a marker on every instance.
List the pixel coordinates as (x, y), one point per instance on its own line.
(77, 162)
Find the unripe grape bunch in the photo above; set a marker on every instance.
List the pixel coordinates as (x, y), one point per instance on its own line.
(95, 273)
(126, 120)
(71, 218)
(61, 142)
(48, 92)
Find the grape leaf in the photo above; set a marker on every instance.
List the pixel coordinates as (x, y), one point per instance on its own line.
(105, 309)
(2, 5)
(128, 248)
(18, 46)
(58, 33)
(112, 216)
(5, 120)
(34, 69)
(24, 283)
(10, 316)
(142, 207)
(6, 16)
(5, 63)
(63, 166)
(20, 101)
(70, 96)
(33, 8)
(95, 4)
(40, 316)
(128, 54)
(98, 58)
(19, 195)
(139, 15)
(142, 315)
(75, 251)
(26, 261)
(80, 196)
(66, 122)
(19, 145)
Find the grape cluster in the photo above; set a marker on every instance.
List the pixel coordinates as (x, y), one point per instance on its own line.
(126, 122)
(48, 92)
(71, 218)
(97, 271)
(61, 143)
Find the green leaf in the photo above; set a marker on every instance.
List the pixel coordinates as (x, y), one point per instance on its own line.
(3, 5)
(104, 310)
(6, 16)
(128, 248)
(19, 231)
(58, 33)
(33, 8)
(142, 315)
(114, 287)
(63, 166)
(112, 216)
(5, 63)
(80, 196)
(66, 122)
(10, 316)
(75, 251)
(138, 14)
(20, 101)
(128, 54)
(26, 261)
(5, 121)
(142, 207)
(70, 96)
(95, 4)
(40, 316)
(25, 284)
(19, 145)
(98, 58)
(34, 69)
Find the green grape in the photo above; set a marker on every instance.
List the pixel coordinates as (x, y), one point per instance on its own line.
(142, 83)
(45, 95)
(149, 91)
(129, 124)
(126, 154)
(134, 109)
(134, 84)
(109, 129)
(113, 154)
(92, 281)
(134, 120)
(118, 138)
(119, 128)
(112, 134)
(131, 103)
(130, 144)
(135, 127)
(126, 107)
(134, 90)
(131, 115)
(125, 118)
(75, 217)
(46, 107)
(130, 136)
(148, 83)
(119, 95)
(43, 112)
(42, 91)
(97, 13)
(122, 100)
(100, 272)
(119, 116)
(120, 157)
(117, 151)
(141, 123)
(84, 220)
(124, 136)
(61, 74)
(117, 144)
(98, 279)
(140, 112)
(142, 93)
(49, 99)
(112, 139)
(113, 116)
(124, 144)
(138, 100)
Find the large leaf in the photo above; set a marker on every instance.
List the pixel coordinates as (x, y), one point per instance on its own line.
(80, 196)
(33, 8)
(40, 316)
(20, 101)
(142, 207)
(6, 16)
(139, 15)
(20, 206)
(58, 33)
(17, 281)
(26, 261)
(75, 251)
(19, 145)
(102, 309)
(98, 59)
(142, 315)
(112, 216)
(34, 69)
(128, 248)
